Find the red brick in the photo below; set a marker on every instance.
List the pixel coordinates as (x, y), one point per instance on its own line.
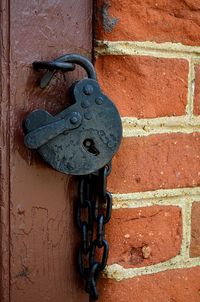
(149, 20)
(160, 161)
(144, 86)
(195, 232)
(181, 285)
(197, 90)
(144, 236)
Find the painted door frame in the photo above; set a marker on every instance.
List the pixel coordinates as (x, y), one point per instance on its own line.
(70, 32)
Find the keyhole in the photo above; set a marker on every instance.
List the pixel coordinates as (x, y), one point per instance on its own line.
(89, 145)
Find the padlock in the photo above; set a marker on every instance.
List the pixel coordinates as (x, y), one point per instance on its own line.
(85, 136)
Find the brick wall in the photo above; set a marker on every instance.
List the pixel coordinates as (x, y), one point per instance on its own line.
(148, 62)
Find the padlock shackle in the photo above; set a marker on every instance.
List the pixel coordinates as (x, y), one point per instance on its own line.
(64, 63)
(79, 60)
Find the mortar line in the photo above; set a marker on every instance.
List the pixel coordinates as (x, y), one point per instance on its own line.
(158, 195)
(182, 198)
(184, 203)
(179, 124)
(191, 83)
(147, 48)
(176, 51)
(186, 197)
(118, 273)
(165, 201)
(186, 220)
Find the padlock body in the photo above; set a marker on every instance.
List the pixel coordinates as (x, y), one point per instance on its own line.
(92, 145)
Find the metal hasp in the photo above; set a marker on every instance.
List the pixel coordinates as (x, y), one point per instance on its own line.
(83, 137)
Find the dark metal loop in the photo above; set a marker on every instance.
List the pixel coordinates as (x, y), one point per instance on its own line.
(103, 172)
(89, 214)
(104, 259)
(97, 204)
(60, 64)
(91, 282)
(79, 60)
(84, 191)
(108, 208)
(93, 292)
(84, 271)
(109, 168)
(53, 65)
(108, 200)
(100, 231)
(85, 242)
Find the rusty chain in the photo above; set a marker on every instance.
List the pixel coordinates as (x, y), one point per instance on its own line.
(93, 212)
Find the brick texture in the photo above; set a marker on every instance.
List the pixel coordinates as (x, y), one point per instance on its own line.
(152, 87)
(144, 86)
(144, 236)
(197, 91)
(156, 162)
(149, 20)
(181, 285)
(195, 231)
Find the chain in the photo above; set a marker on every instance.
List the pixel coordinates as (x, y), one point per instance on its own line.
(95, 203)
(94, 211)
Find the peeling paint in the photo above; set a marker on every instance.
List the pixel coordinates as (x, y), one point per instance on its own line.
(108, 21)
(23, 273)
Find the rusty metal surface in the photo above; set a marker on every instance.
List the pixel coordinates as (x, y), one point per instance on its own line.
(82, 138)
(41, 200)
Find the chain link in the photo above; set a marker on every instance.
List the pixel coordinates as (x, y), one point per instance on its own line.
(93, 212)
